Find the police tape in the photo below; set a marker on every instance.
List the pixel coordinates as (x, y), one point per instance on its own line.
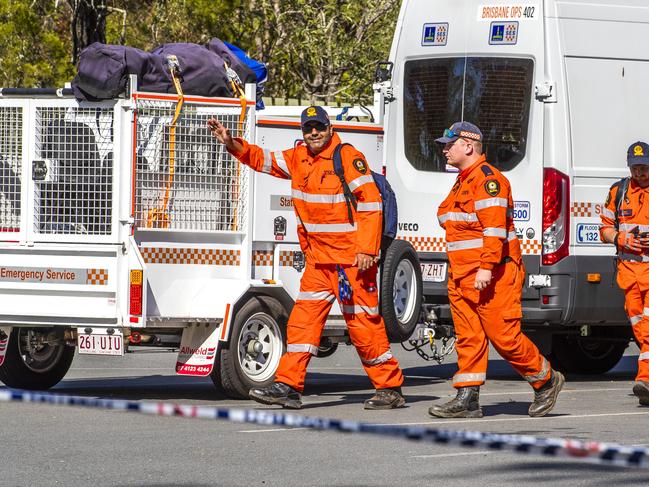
(592, 452)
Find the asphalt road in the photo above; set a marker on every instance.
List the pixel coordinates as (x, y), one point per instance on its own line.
(45, 445)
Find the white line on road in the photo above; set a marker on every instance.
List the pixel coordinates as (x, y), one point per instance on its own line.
(442, 455)
(526, 418)
(271, 430)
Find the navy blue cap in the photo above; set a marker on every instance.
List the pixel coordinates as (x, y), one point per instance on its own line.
(466, 130)
(314, 114)
(638, 153)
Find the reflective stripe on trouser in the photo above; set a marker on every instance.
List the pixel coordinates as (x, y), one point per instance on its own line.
(366, 328)
(636, 302)
(493, 315)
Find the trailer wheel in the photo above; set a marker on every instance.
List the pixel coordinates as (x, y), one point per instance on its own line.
(401, 290)
(584, 356)
(36, 359)
(257, 342)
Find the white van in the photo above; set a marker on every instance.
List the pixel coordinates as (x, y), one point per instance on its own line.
(558, 88)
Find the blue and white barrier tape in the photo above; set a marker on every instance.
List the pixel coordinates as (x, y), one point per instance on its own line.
(592, 452)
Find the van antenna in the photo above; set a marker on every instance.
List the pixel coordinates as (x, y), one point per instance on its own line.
(466, 30)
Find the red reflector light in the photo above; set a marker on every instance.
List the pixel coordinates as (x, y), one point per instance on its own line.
(556, 216)
(135, 292)
(135, 299)
(545, 299)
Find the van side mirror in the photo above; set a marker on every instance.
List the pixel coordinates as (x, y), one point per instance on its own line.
(383, 71)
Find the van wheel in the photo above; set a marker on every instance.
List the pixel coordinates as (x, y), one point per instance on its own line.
(36, 359)
(257, 342)
(583, 356)
(401, 290)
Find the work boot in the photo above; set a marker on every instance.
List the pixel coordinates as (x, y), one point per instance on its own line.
(641, 389)
(385, 399)
(277, 393)
(465, 405)
(546, 396)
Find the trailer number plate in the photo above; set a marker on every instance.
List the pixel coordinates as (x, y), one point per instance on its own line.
(100, 344)
(435, 272)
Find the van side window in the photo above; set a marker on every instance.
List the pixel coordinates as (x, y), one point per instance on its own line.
(493, 93)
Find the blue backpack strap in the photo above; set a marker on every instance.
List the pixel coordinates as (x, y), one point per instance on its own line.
(350, 199)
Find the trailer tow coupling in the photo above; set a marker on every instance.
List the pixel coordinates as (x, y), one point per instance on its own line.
(430, 334)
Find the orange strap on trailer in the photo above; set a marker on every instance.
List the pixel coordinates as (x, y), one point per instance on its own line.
(159, 217)
(237, 89)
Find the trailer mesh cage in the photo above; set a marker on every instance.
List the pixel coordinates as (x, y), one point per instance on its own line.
(73, 170)
(185, 179)
(11, 142)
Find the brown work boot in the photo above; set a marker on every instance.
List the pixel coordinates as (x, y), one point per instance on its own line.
(466, 404)
(546, 396)
(277, 393)
(641, 390)
(385, 399)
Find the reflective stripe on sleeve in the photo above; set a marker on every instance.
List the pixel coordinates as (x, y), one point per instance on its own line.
(489, 202)
(376, 206)
(476, 243)
(329, 227)
(302, 347)
(545, 368)
(511, 236)
(456, 216)
(643, 356)
(316, 296)
(360, 181)
(384, 357)
(268, 162)
(626, 227)
(494, 232)
(635, 319)
(353, 309)
(608, 214)
(469, 378)
(317, 198)
(281, 162)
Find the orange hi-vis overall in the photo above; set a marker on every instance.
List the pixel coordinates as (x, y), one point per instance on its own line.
(328, 238)
(632, 267)
(480, 234)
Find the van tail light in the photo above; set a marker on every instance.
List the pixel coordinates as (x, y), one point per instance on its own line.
(556, 216)
(135, 293)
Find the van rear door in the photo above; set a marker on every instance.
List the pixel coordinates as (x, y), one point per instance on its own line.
(473, 62)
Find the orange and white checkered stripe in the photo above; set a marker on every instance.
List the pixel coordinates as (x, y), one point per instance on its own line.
(192, 256)
(583, 209)
(437, 244)
(286, 258)
(426, 244)
(262, 258)
(97, 277)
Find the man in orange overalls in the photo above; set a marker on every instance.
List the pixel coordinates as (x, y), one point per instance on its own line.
(341, 254)
(625, 223)
(485, 279)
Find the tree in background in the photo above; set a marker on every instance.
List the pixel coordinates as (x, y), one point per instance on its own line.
(315, 49)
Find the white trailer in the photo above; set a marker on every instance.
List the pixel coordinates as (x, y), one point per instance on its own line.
(121, 227)
(558, 89)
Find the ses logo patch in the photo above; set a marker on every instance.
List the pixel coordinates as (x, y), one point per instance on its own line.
(435, 34)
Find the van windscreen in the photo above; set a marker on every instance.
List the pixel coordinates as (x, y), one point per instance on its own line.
(493, 93)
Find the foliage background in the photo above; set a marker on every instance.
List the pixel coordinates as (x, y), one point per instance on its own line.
(316, 50)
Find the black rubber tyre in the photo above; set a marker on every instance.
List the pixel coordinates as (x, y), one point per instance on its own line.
(576, 355)
(41, 369)
(260, 322)
(327, 350)
(401, 290)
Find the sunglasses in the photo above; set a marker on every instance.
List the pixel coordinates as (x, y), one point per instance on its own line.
(319, 126)
(449, 133)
